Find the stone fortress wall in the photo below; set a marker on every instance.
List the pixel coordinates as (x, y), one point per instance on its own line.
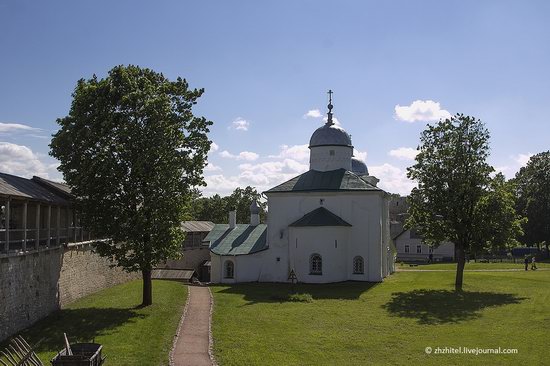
(33, 285)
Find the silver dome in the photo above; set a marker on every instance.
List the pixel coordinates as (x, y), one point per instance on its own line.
(359, 167)
(330, 135)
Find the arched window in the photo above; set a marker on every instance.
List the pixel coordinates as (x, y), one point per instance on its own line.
(358, 265)
(229, 269)
(315, 264)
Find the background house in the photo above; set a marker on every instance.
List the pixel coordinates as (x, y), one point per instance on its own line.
(195, 252)
(410, 248)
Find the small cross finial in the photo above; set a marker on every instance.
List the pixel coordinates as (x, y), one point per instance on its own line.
(330, 106)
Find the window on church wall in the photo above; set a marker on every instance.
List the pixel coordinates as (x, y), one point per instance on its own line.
(229, 269)
(358, 265)
(418, 249)
(332, 152)
(315, 264)
(407, 249)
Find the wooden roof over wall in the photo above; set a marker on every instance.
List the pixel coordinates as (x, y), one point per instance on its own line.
(18, 187)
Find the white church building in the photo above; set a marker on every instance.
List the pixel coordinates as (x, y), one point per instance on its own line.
(329, 224)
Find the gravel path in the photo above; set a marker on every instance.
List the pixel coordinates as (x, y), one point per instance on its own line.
(193, 343)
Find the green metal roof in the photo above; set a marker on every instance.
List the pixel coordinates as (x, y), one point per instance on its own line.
(243, 239)
(320, 217)
(334, 180)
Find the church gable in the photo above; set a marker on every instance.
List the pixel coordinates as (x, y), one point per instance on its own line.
(320, 217)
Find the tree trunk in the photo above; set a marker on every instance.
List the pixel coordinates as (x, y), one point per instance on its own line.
(147, 288)
(461, 261)
(547, 251)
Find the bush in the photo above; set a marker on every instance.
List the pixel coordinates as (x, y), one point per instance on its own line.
(293, 298)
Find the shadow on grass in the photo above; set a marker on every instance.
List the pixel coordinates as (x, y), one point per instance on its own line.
(81, 325)
(280, 292)
(442, 306)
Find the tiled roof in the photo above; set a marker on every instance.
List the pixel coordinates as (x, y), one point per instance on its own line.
(197, 226)
(172, 274)
(13, 186)
(56, 186)
(320, 217)
(243, 239)
(334, 180)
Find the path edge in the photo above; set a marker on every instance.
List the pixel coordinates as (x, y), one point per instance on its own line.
(210, 337)
(176, 336)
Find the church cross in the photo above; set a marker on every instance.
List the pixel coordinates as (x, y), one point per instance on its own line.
(329, 119)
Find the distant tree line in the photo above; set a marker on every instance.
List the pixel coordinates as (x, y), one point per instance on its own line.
(216, 208)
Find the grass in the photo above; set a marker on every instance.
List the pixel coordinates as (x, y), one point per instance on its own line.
(385, 324)
(472, 266)
(130, 335)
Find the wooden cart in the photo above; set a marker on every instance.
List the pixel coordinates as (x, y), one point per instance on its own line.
(83, 354)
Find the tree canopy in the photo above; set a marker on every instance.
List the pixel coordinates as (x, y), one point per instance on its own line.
(455, 192)
(133, 152)
(497, 224)
(533, 199)
(216, 208)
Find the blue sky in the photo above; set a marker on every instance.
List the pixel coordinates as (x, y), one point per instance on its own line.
(393, 67)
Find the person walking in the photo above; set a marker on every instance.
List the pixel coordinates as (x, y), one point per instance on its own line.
(526, 263)
(533, 263)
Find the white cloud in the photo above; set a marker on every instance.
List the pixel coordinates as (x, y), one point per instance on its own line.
(522, 159)
(421, 110)
(392, 179)
(240, 124)
(219, 184)
(15, 127)
(212, 168)
(404, 153)
(313, 113)
(22, 161)
(288, 163)
(296, 152)
(361, 155)
(214, 147)
(243, 155)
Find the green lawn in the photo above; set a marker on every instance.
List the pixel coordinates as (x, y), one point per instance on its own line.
(386, 324)
(130, 335)
(473, 266)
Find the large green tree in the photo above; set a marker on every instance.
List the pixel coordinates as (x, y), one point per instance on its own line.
(533, 199)
(133, 152)
(452, 174)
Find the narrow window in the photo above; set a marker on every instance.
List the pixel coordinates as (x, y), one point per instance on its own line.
(358, 265)
(418, 249)
(406, 249)
(331, 152)
(229, 270)
(315, 264)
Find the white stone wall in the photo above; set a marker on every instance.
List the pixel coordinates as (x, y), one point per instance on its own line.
(320, 158)
(292, 247)
(331, 243)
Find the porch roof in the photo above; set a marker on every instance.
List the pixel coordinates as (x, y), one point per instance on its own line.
(13, 186)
